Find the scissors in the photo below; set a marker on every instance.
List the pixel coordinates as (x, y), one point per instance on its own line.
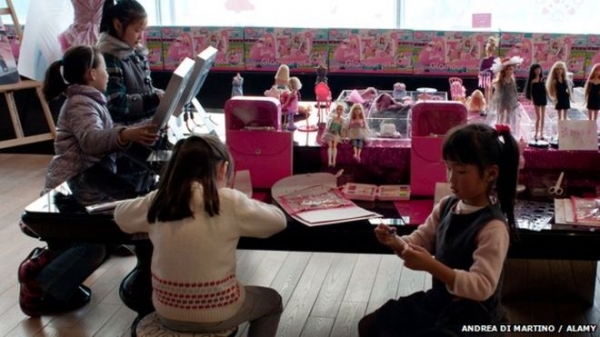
(556, 189)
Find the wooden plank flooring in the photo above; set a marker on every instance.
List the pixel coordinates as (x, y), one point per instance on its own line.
(324, 294)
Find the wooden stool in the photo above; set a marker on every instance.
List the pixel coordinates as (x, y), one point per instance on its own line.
(20, 138)
(150, 326)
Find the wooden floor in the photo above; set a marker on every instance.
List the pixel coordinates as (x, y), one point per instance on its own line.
(323, 294)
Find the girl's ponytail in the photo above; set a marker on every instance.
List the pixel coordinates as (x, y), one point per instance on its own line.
(506, 185)
(54, 83)
(107, 16)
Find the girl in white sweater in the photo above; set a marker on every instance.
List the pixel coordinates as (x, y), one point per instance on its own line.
(194, 223)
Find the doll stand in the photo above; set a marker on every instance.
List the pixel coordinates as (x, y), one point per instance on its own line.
(540, 144)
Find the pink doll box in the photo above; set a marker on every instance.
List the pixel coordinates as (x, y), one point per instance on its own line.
(153, 42)
(260, 48)
(229, 42)
(253, 113)
(177, 44)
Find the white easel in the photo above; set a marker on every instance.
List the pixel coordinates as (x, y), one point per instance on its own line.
(9, 89)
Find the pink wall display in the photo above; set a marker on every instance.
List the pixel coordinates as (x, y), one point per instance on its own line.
(545, 49)
(229, 42)
(153, 41)
(592, 53)
(370, 50)
(177, 44)
(299, 48)
(448, 53)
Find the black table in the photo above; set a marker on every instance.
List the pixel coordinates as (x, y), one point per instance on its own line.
(60, 215)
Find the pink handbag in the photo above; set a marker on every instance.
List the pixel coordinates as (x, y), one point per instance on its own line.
(266, 154)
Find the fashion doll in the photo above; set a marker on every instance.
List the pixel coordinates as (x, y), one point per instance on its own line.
(237, 85)
(592, 92)
(289, 102)
(558, 89)
(282, 80)
(333, 135)
(485, 69)
(535, 90)
(321, 74)
(476, 102)
(505, 99)
(358, 130)
(399, 92)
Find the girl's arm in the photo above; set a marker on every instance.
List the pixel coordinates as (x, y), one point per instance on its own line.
(89, 129)
(480, 281)
(256, 218)
(131, 215)
(124, 107)
(424, 235)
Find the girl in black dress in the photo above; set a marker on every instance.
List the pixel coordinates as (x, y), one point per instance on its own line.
(558, 89)
(592, 92)
(535, 90)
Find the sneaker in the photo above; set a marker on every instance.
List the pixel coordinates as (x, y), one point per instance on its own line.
(30, 293)
(35, 303)
(34, 263)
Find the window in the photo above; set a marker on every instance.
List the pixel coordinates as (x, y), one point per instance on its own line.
(540, 16)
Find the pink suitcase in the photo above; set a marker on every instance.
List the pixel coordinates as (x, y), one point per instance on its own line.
(430, 122)
(254, 138)
(436, 117)
(252, 113)
(266, 154)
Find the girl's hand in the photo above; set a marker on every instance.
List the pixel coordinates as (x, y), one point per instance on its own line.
(386, 235)
(144, 135)
(160, 93)
(416, 258)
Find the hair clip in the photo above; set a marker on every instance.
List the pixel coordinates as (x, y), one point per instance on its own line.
(502, 127)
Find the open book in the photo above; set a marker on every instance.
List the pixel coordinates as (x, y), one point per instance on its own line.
(577, 211)
(315, 200)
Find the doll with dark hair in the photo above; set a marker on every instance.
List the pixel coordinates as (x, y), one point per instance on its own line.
(321, 74)
(535, 90)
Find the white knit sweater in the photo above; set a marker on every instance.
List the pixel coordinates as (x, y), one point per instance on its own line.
(194, 259)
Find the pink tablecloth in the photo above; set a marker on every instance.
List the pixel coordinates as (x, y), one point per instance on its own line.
(388, 162)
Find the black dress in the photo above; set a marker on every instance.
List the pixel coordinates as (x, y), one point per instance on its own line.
(538, 93)
(593, 101)
(562, 96)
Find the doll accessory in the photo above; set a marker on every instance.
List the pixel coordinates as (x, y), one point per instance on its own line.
(499, 63)
(355, 97)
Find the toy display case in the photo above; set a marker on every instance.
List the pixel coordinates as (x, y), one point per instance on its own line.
(428, 94)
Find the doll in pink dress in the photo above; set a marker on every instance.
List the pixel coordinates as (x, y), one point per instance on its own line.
(485, 69)
(289, 102)
(358, 129)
